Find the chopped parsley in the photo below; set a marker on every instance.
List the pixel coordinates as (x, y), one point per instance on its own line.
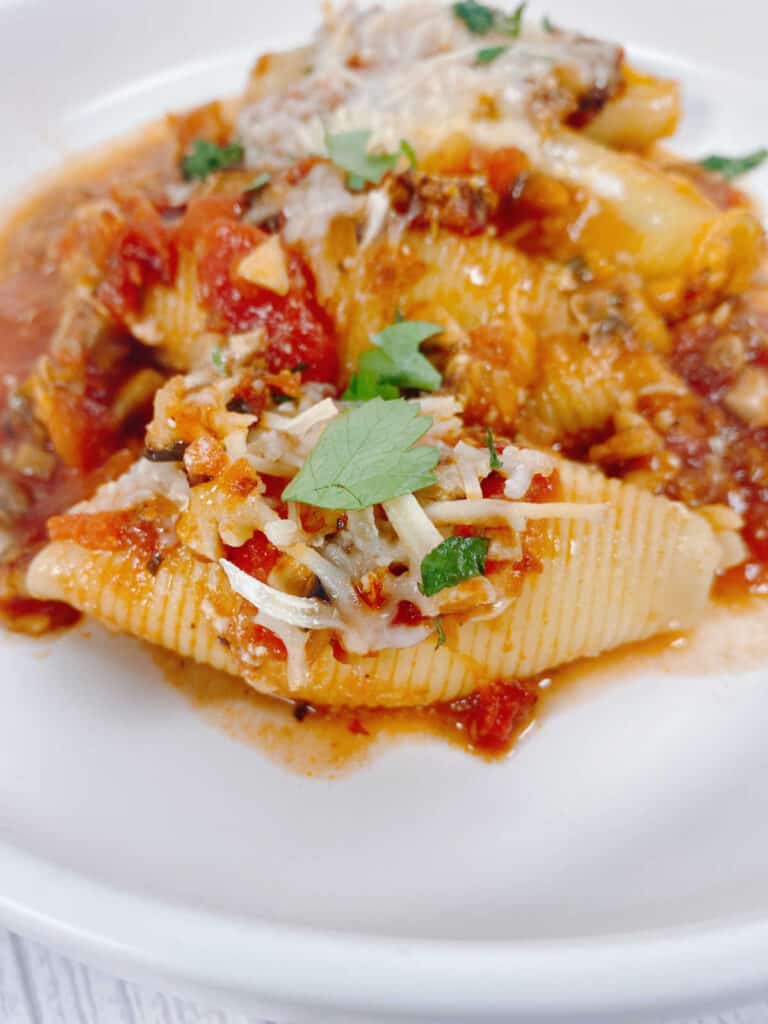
(205, 157)
(488, 55)
(365, 385)
(395, 362)
(259, 182)
(366, 456)
(455, 560)
(480, 19)
(408, 152)
(495, 460)
(217, 358)
(731, 167)
(511, 24)
(349, 151)
(477, 17)
(547, 24)
(439, 633)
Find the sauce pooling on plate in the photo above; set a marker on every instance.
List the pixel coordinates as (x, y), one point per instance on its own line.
(394, 385)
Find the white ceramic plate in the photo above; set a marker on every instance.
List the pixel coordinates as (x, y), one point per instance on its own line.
(617, 863)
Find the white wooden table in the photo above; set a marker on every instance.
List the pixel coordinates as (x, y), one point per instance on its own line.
(40, 986)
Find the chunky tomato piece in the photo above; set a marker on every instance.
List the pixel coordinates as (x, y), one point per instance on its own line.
(249, 638)
(257, 556)
(492, 717)
(200, 213)
(544, 487)
(493, 485)
(140, 255)
(407, 614)
(299, 331)
(107, 531)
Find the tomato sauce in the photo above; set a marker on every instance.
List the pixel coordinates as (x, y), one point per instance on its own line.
(43, 473)
(300, 333)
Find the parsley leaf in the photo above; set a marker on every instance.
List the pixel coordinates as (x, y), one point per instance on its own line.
(455, 560)
(440, 633)
(732, 166)
(480, 19)
(477, 17)
(395, 362)
(366, 456)
(365, 385)
(547, 24)
(207, 157)
(490, 54)
(349, 151)
(259, 182)
(408, 152)
(495, 460)
(217, 358)
(511, 24)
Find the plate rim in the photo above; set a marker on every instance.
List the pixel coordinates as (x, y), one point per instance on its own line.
(609, 977)
(679, 969)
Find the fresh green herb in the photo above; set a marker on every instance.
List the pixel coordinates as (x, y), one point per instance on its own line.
(440, 633)
(366, 456)
(495, 460)
(280, 398)
(477, 17)
(480, 19)
(217, 358)
(349, 150)
(259, 182)
(207, 157)
(490, 54)
(365, 385)
(511, 24)
(455, 560)
(408, 152)
(299, 367)
(547, 24)
(395, 362)
(733, 166)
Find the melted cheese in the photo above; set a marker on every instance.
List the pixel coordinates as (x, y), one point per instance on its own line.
(412, 72)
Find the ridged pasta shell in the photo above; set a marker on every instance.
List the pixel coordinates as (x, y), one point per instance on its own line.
(645, 567)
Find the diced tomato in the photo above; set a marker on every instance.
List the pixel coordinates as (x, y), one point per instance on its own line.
(257, 556)
(465, 531)
(493, 485)
(299, 331)
(107, 531)
(407, 614)
(492, 717)
(245, 633)
(273, 485)
(543, 488)
(201, 212)
(140, 255)
(28, 615)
